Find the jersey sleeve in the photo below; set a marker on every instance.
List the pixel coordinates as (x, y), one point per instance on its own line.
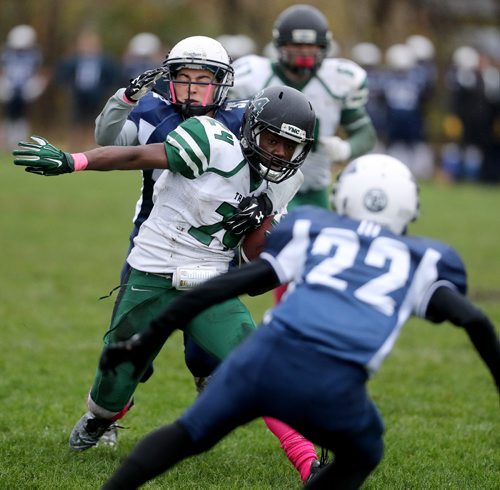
(203, 144)
(347, 80)
(286, 246)
(452, 269)
(251, 74)
(112, 126)
(188, 148)
(450, 272)
(357, 80)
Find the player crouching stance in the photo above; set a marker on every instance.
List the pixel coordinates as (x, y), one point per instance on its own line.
(363, 277)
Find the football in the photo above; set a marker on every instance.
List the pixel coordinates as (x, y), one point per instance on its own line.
(253, 243)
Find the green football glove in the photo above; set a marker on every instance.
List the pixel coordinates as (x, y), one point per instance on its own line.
(43, 158)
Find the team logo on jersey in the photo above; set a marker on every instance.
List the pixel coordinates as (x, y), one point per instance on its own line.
(375, 200)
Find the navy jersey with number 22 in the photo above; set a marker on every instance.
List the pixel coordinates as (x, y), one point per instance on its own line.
(354, 284)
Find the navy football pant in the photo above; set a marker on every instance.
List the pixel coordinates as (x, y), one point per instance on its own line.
(275, 374)
(324, 398)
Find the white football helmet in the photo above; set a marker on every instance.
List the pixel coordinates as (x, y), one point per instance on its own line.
(366, 54)
(237, 45)
(377, 188)
(400, 57)
(22, 36)
(422, 47)
(200, 53)
(144, 44)
(466, 58)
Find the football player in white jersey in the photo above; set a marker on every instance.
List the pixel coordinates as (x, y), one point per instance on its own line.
(144, 113)
(357, 277)
(184, 241)
(336, 87)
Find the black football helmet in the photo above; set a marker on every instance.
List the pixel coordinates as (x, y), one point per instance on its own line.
(286, 112)
(301, 24)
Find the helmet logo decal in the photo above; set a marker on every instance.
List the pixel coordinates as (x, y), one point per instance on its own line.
(304, 36)
(375, 200)
(194, 54)
(259, 104)
(294, 131)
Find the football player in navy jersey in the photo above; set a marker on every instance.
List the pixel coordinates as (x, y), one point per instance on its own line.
(143, 114)
(22, 81)
(363, 277)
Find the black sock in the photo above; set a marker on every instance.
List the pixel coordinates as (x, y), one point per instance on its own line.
(153, 455)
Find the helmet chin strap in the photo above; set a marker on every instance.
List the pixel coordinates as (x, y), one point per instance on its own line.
(188, 109)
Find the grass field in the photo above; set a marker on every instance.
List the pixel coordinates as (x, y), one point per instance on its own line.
(62, 243)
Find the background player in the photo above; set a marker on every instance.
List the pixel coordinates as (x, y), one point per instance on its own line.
(336, 87)
(22, 82)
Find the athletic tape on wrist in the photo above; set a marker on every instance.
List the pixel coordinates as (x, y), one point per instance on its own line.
(80, 161)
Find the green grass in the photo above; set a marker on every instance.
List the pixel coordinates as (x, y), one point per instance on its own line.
(62, 243)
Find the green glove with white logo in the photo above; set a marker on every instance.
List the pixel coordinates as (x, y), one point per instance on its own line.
(43, 158)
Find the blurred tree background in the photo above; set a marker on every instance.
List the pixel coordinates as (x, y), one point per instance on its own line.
(448, 23)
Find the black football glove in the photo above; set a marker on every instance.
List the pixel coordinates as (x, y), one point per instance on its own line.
(140, 348)
(137, 350)
(43, 158)
(250, 215)
(141, 85)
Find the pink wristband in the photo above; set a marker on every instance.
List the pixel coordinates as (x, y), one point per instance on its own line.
(80, 161)
(129, 101)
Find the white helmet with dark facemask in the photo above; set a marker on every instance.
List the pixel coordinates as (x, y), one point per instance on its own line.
(377, 188)
(199, 53)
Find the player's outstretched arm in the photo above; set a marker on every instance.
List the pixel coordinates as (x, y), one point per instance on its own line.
(254, 278)
(42, 158)
(448, 304)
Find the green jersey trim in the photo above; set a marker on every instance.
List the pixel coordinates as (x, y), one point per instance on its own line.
(325, 86)
(235, 170)
(188, 149)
